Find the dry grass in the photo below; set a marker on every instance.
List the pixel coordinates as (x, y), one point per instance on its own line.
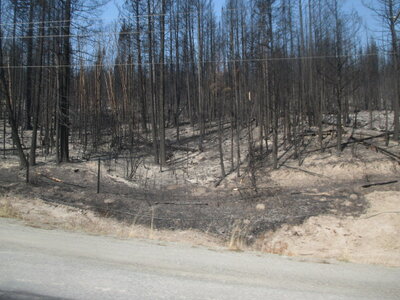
(238, 236)
(280, 248)
(36, 213)
(7, 211)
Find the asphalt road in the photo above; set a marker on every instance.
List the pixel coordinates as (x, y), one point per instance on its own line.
(53, 264)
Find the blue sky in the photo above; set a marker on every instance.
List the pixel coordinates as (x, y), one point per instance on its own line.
(370, 28)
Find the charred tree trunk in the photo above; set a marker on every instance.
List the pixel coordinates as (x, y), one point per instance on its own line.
(152, 89)
(64, 85)
(32, 155)
(162, 86)
(29, 71)
(6, 90)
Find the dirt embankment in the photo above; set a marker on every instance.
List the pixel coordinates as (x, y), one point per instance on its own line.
(371, 238)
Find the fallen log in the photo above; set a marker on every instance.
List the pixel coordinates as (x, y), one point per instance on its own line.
(14, 149)
(377, 148)
(352, 140)
(379, 183)
(382, 213)
(51, 178)
(316, 133)
(305, 171)
(182, 148)
(176, 203)
(169, 146)
(60, 181)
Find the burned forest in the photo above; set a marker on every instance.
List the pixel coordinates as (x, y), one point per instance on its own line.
(247, 124)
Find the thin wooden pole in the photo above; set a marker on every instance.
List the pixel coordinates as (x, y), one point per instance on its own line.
(98, 177)
(4, 132)
(27, 168)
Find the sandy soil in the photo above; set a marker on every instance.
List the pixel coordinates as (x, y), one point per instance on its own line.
(372, 238)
